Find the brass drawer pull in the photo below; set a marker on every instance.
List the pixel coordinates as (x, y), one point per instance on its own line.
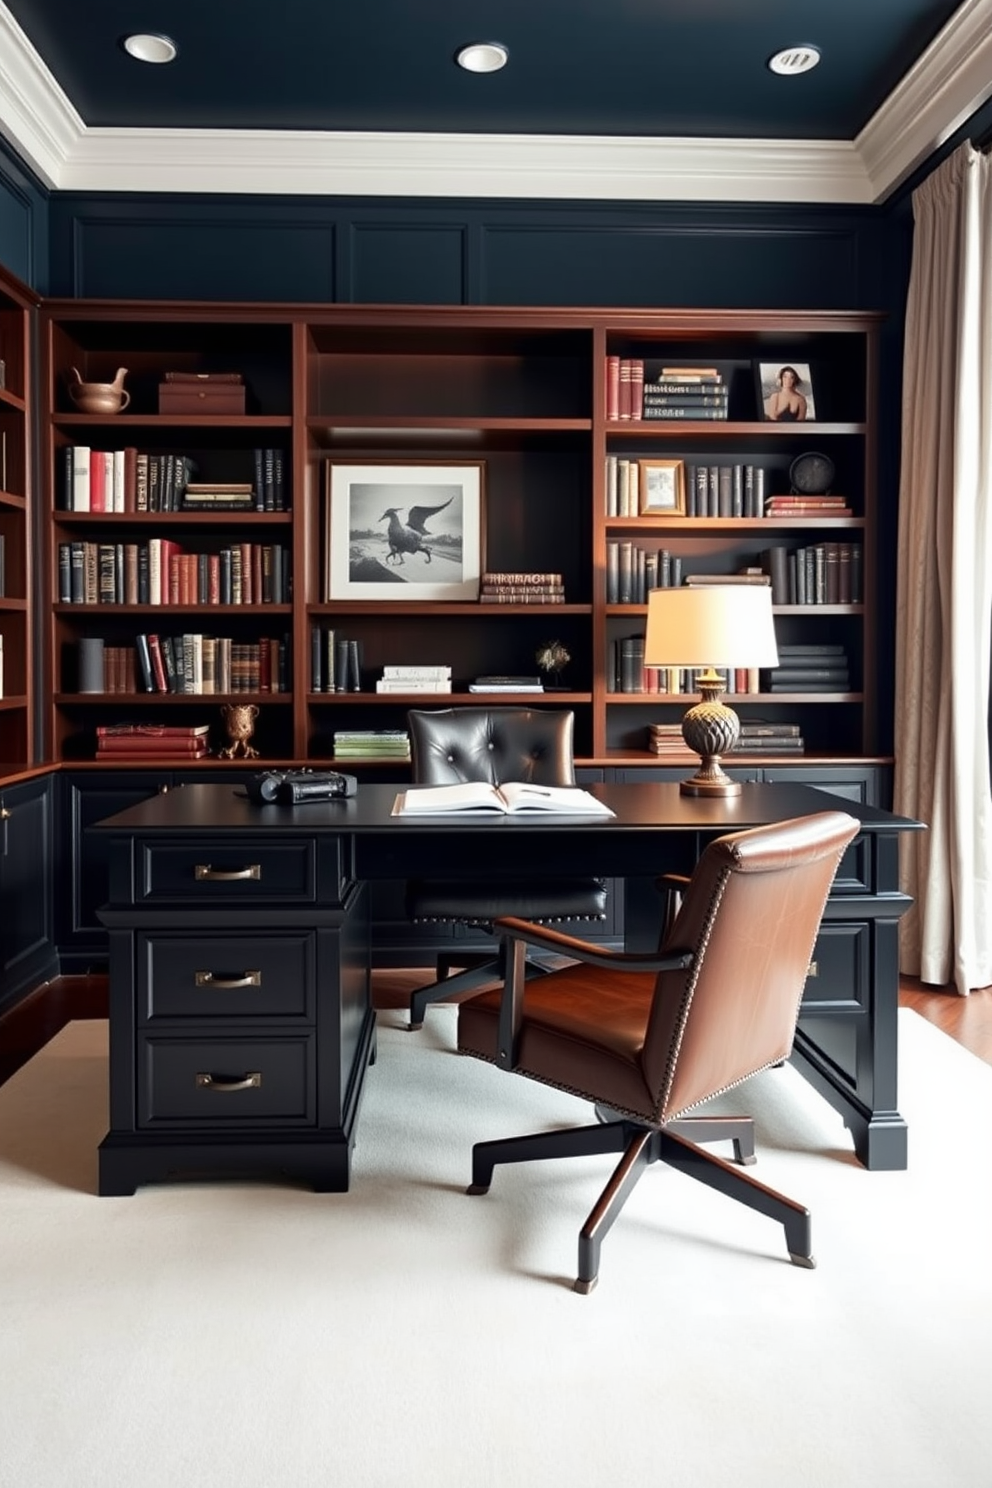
(227, 875)
(813, 970)
(4, 814)
(226, 1083)
(212, 979)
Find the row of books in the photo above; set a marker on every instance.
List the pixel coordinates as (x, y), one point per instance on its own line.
(398, 678)
(636, 389)
(525, 587)
(335, 661)
(389, 744)
(3, 567)
(820, 573)
(161, 572)
(626, 672)
(133, 480)
(1, 664)
(189, 664)
(140, 741)
(632, 571)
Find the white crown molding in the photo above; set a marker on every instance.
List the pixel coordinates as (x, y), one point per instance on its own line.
(948, 82)
(463, 165)
(35, 115)
(951, 79)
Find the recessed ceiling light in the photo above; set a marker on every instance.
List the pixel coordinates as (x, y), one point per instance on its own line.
(791, 61)
(147, 47)
(483, 56)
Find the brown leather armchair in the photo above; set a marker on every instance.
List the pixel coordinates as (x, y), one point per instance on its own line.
(650, 1038)
(496, 745)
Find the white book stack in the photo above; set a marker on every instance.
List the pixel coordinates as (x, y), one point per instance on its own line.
(398, 678)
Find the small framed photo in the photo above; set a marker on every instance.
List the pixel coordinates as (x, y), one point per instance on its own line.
(785, 392)
(405, 530)
(662, 488)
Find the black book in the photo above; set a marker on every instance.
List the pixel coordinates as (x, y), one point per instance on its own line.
(145, 663)
(316, 659)
(354, 666)
(340, 664)
(65, 571)
(684, 412)
(808, 674)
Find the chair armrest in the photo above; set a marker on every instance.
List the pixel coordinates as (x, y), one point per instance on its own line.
(583, 950)
(516, 934)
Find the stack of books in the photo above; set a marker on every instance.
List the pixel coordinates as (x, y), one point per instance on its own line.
(123, 741)
(414, 679)
(813, 668)
(759, 736)
(666, 738)
(529, 587)
(685, 393)
(385, 744)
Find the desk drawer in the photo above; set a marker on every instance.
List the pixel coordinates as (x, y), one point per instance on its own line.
(243, 872)
(226, 975)
(226, 1082)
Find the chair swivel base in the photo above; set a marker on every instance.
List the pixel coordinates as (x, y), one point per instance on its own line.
(641, 1146)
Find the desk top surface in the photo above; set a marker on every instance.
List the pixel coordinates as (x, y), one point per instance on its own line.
(646, 807)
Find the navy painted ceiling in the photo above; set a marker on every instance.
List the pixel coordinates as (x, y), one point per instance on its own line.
(587, 67)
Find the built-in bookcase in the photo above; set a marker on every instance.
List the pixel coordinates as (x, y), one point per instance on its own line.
(520, 395)
(16, 392)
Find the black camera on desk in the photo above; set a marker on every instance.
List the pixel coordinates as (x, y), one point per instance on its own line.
(293, 787)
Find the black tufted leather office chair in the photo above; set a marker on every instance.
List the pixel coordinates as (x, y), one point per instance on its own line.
(497, 745)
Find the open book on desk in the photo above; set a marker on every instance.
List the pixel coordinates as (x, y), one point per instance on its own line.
(516, 796)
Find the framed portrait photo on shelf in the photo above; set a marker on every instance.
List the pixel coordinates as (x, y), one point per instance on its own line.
(785, 392)
(404, 530)
(661, 490)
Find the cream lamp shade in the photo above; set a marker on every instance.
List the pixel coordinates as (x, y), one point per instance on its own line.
(705, 627)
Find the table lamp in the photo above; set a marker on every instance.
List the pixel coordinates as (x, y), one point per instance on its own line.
(704, 626)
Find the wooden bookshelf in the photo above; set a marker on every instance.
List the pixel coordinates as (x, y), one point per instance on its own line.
(523, 391)
(16, 592)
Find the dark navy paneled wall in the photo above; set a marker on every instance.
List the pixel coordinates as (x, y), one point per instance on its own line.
(388, 251)
(23, 222)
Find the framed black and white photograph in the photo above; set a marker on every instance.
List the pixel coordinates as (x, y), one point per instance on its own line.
(405, 530)
(785, 392)
(662, 488)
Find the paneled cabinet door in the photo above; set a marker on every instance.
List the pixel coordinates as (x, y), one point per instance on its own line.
(83, 874)
(27, 948)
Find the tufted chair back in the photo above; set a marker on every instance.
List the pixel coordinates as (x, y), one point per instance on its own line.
(497, 745)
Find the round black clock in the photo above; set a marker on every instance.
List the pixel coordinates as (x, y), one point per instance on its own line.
(811, 474)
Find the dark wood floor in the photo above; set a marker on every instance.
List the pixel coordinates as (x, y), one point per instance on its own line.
(29, 1026)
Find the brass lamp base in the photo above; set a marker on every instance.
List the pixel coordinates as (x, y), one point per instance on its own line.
(710, 729)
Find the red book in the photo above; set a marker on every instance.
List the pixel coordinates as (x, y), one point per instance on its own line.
(158, 665)
(624, 401)
(142, 745)
(98, 481)
(130, 478)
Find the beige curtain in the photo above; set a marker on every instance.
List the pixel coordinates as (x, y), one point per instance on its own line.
(944, 580)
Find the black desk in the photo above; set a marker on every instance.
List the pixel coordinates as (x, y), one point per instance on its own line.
(241, 1023)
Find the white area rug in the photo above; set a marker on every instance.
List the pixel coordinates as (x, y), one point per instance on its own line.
(405, 1334)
